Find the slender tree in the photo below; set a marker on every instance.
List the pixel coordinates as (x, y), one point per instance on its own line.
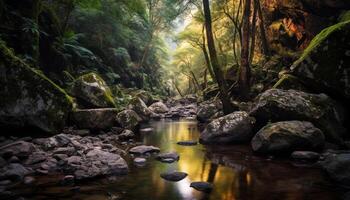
(244, 70)
(228, 107)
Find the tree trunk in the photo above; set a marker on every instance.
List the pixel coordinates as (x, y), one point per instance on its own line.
(252, 45)
(145, 52)
(206, 57)
(265, 46)
(205, 79)
(227, 106)
(244, 70)
(177, 88)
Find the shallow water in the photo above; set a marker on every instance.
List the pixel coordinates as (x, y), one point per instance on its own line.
(234, 171)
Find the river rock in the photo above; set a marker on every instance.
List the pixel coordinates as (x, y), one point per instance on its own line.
(325, 63)
(288, 136)
(337, 167)
(91, 91)
(140, 161)
(94, 119)
(143, 149)
(284, 105)
(207, 109)
(159, 108)
(187, 143)
(146, 130)
(232, 128)
(305, 155)
(20, 149)
(168, 157)
(202, 186)
(140, 108)
(126, 134)
(29, 98)
(36, 157)
(14, 171)
(129, 119)
(173, 176)
(29, 180)
(96, 163)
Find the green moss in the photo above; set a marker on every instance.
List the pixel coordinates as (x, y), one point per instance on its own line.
(345, 16)
(319, 38)
(11, 58)
(93, 77)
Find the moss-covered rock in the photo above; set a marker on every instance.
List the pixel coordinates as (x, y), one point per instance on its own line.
(129, 119)
(29, 98)
(91, 91)
(325, 63)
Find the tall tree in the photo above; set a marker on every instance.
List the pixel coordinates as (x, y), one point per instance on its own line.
(244, 70)
(265, 47)
(224, 96)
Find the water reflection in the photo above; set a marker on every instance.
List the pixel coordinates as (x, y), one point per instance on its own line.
(234, 171)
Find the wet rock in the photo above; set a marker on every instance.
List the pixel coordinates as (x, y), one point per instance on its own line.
(283, 105)
(140, 161)
(14, 159)
(202, 186)
(91, 91)
(129, 119)
(126, 134)
(187, 143)
(168, 157)
(140, 108)
(232, 128)
(68, 180)
(143, 149)
(288, 136)
(94, 119)
(65, 150)
(337, 167)
(173, 176)
(305, 155)
(146, 130)
(29, 98)
(29, 180)
(159, 108)
(14, 171)
(208, 109)
(60, 156)
(20, 149)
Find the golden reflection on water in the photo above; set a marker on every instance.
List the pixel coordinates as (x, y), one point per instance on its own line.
(192, 161)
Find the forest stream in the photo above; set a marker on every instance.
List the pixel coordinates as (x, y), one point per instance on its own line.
(233, 170)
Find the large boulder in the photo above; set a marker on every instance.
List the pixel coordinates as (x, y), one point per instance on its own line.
(325, 63)
(140, 108)
(232, 128)
(159, 107)
(337, 167)
(129, 119)
(288, 136)
(29, 98)
(91, 91)
(95, 119)
(207, 109)
(283, 105)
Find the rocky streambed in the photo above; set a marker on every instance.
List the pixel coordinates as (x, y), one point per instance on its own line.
(152, 152)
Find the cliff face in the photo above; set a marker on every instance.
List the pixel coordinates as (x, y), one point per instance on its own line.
(291, 24)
